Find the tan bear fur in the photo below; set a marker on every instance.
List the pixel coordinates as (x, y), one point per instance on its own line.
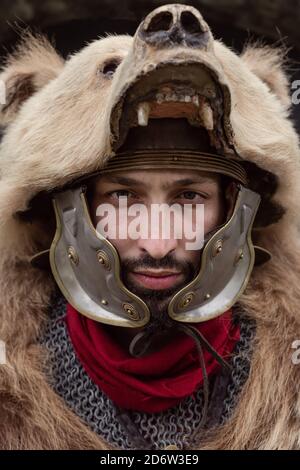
(59, 132)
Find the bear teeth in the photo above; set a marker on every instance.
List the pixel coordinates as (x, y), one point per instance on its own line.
(143, 113)
(206, 116)
(205, 111)
(177, 97)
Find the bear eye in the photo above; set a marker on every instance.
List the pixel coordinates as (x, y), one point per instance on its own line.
(110, 67)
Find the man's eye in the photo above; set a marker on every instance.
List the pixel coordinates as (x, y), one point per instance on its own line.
(191, 195)
(120, 193)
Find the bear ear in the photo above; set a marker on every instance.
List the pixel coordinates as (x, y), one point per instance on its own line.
(269, 64)
(31, 66)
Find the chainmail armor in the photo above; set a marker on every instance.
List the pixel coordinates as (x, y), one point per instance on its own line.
(170, 427)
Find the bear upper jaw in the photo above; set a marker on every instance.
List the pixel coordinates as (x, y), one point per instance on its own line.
(187, 90)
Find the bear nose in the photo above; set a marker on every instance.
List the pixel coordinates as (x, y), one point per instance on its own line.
(173, 25)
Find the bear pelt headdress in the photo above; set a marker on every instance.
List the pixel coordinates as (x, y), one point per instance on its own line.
(62, 120)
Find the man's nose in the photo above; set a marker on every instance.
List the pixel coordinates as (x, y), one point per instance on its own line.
(157, 248)
(172, 25)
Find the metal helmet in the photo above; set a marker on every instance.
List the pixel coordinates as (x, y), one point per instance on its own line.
(87, 266)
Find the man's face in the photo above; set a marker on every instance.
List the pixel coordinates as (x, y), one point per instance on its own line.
(156, 268)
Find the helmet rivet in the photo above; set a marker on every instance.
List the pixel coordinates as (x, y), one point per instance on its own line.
(73, 256)
(186, 300)
(207, 296)
(103, 259)
(131, 311)
(104, 302)
(218, 247)
(240, 256)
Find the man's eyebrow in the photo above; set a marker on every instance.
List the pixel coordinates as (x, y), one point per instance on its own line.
(187, 181)
(124, 180)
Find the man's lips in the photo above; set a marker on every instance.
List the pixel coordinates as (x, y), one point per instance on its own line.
(156, 279)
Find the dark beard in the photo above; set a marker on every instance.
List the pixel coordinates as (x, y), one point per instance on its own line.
(157, 300)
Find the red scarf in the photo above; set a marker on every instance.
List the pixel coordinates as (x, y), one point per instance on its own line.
(155, 382)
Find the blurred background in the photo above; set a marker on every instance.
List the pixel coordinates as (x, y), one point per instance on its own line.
(71, 24)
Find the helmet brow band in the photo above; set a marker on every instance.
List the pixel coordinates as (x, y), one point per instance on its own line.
(177, 159)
